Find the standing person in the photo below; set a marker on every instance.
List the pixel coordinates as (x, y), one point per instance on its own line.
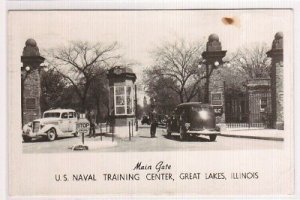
(112, 121)
(91, 117)
(154, 122)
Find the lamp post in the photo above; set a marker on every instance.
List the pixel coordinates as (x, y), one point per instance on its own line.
(212, 59)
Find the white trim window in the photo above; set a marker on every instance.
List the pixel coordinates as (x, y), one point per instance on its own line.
(263, 104)
(129, 100)
(123, 100)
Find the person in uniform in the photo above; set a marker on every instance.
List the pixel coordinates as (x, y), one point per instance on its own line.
(91, 117)
(154, 123)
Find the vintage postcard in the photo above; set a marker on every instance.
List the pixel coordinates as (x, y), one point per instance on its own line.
(150, 102)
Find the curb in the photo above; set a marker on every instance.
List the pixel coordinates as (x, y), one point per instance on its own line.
(254, 137)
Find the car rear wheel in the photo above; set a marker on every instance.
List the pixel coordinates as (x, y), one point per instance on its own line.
(212, 137)
(183, 134)
(26, 139)
(51, 134)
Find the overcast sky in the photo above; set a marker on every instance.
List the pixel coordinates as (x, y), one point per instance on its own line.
(138, 32)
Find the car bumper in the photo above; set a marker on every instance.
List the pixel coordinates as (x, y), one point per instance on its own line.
(203, 132)
(33, 135)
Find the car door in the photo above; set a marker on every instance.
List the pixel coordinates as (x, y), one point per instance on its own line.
(72, 121)
(64, 122)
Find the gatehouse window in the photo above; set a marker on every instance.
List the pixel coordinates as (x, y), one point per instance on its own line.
(129, 99)
(123, 99)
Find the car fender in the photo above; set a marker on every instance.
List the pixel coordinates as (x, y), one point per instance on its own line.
(27, 128)
(47, 127)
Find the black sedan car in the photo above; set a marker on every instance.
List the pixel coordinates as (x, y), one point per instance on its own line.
(193, 118)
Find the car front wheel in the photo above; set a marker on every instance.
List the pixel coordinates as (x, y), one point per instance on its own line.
(212, 137)
(51, 134)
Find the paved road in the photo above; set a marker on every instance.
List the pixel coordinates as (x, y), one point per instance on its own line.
(143, 142)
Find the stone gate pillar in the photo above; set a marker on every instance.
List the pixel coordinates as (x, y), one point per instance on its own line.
(214, 86)
(30, 82)
(276, 53)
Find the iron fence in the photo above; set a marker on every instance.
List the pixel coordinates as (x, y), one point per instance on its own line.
(249, 120)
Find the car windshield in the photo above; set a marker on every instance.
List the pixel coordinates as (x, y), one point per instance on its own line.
(51, 114)
(201, 108)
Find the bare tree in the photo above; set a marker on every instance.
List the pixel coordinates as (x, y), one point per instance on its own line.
(253, 61)
(78, 63)
(158, 90)
(179, 62)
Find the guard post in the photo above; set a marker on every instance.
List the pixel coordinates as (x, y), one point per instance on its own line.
(122, 107)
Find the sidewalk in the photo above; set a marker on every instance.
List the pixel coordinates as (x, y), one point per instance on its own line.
(102, 139)
(95, 143)
(263, 134)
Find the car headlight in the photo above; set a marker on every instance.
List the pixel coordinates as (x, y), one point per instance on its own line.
(27, 132)
(187, 125)
(203, 115)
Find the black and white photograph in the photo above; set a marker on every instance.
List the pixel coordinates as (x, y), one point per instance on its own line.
(177, 87)
(129, 86)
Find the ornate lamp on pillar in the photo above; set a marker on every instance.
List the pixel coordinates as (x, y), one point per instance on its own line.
(213, 58)
(276, 53)
(30, 81)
